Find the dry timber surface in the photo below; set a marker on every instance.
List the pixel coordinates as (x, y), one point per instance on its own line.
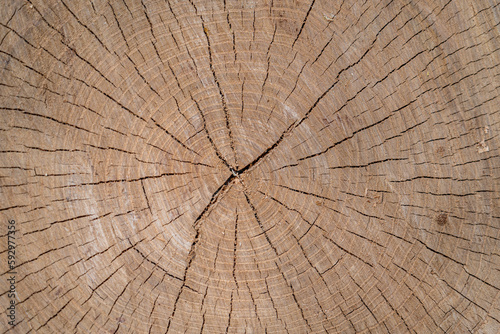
(249, 166)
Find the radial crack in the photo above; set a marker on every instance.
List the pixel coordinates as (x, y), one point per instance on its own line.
(223, 99)
(217, 152)
(192, 251)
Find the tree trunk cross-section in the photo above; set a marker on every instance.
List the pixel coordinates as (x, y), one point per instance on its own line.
(250, 166)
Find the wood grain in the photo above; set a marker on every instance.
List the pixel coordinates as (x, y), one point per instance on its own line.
(251, 166)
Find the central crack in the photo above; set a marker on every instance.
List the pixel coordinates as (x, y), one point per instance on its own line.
(237, 173)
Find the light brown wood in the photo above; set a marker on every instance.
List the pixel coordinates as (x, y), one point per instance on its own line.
(250, 166)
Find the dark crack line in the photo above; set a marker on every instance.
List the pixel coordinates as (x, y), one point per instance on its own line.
(223, 99)
(55, 223)
(86, 27)
(296, 124)
(119, 26)
(264, 232)
(296, 82)
(293, 210)
(88, 63)
(283, 323)
(235, 246)
(146, 197)
(217, 152)
(26, 65)
(313, 267)
(112, 99)
(55, 315)
(306, 193)
(28, 42)
(100, 284)
(192, 251)
(268, 57)
(142, 77)
(213, 200)
(152, 32)
(230, 314)
(303, 23)
(356, 132)
(55, 120)
(346, 251)
(155, 264)
(265, 153)
(174, 138)
(179, 87)
(120, 180)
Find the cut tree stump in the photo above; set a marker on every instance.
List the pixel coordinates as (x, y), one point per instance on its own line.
(250, 166)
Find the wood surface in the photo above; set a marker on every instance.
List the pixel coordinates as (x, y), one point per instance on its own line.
(251, 166)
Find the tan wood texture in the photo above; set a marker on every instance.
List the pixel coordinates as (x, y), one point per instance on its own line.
(250, 166)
